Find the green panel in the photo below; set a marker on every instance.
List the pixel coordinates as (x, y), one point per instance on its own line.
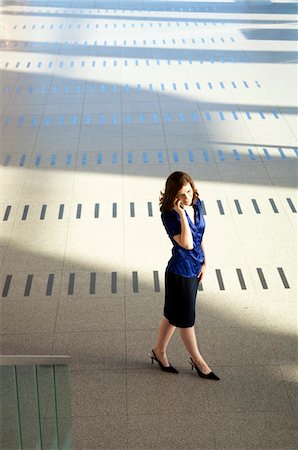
(10, 438)
(63, 396)
(47, 405)
(35, 408)
(28, 407)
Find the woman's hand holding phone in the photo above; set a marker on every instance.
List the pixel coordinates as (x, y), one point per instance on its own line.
(178, 206)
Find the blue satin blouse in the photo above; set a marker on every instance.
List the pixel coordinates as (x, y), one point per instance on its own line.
(186, 263)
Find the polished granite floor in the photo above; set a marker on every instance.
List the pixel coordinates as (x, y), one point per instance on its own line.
(100, 101)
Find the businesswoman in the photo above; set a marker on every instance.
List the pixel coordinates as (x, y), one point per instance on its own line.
(182, 217)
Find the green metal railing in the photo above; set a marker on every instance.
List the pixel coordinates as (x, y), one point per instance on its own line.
(35, 403)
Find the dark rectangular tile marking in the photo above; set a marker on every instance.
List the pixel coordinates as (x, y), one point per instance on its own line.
(114, 283)
(96, 211)
(291, 204)
(220, 280)
(252, 155)
(114, 211)
(92, 282)
(238, 207)
(7, 212)
(25, 212)
(220, 207)
(53, 159)
(7, 160)
(203, 208)
(150, 211)
(79, 211)
(50, 284)
(236, 154)
(6, 286)
(262, 278)
(22, 160)
(71, 283)
(132, 209)
(274, 207)
(241, 278)
(160, 157)
(266, 153)
(43, 212)
(175, 156)
(282, 154)
(37, 160)
(135, 282)
(156, 281)
(283, 277)
(28, 285)
(256, 206)
(61, 212)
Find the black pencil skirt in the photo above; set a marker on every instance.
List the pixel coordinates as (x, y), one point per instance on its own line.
(180, 299)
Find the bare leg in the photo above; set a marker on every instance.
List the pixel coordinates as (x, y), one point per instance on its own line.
(165, 333)
(190, 341)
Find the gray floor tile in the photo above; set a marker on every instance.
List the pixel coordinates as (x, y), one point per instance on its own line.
(27, 344)
(258, 430)
(248, 388)
(103, 431)
(237, 346)
(92, 350)
(170, 431)
(93, 314)
(156, 392)
(28, 316)
(143, 313)
(97, 391)
(289, 374)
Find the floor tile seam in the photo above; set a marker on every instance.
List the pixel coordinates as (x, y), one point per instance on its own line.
(252, 278)
(211, 414)
(3, 112)
(286, 385)
(183, 369)
(291, 126)
(276, 191)
(282, 206)
(60, 279)
(220, 413)
(164, 135)
(125, 281)
(25, 178)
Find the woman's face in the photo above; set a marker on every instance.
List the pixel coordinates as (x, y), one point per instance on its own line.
(185, 194)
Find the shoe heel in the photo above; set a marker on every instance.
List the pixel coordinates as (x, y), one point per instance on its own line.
(190, 362)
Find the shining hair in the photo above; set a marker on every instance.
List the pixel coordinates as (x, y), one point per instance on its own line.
(174, 183)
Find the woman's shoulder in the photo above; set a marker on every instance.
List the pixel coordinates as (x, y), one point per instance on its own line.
(198, 203)
(169, 214)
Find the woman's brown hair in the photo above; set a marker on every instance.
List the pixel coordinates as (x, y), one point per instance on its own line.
(174, 183)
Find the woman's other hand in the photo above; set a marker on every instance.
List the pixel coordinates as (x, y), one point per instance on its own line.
(202, 272)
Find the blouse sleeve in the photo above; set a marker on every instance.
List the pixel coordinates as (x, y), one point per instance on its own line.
(171, 223)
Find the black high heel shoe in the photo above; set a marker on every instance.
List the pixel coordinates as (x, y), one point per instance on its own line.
(209, 376)
(169, 368)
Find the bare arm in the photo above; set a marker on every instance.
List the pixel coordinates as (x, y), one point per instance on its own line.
(204, 251)
(203, 268)
(185, 238)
